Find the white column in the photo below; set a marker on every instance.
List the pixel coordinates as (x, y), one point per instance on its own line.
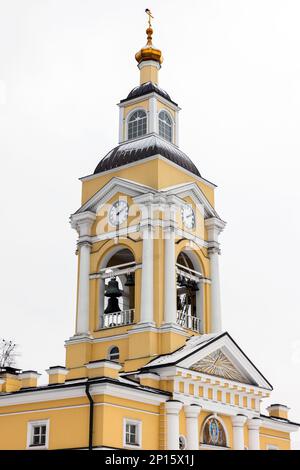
(82, 222)
(170, 305)
(238, 422)
(192, 426)
(172, 410)
(147, 277)
(214, 228)
(253, 433)
(215, 300)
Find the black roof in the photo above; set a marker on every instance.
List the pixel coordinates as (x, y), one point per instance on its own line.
(139, 149)
(146, 88)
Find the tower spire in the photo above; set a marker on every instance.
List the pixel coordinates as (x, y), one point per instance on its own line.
(149, 58)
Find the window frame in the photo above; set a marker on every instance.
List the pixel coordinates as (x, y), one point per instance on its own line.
(110, 351)
(129, 116)
(213, 446)
(30, 434)
(172, 124)
(138, 425)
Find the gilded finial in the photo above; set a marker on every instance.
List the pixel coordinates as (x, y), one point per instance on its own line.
(149, 52)
(149, 30)
(150, 16)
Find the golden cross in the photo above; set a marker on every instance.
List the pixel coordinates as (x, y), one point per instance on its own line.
(149, 16)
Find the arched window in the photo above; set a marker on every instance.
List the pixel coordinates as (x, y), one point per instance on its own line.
(117, 289)
(214, 433)
(189, 295)
(137, 124)
(165, 126)
(114, 353)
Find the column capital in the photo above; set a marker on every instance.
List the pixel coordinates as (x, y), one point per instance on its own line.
(254, 423)
(238, 421)
(173, 407)
(192, 411)
(82, 222)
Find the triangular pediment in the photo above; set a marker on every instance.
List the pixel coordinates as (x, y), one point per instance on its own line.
(114, 186)
(219, 365)
(215, 355)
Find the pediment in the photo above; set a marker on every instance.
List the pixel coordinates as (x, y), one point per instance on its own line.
(219, 365)
(193, 191)
(114, 186)
(216, 355)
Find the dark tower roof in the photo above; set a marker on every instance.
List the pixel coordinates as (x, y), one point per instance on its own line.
(145, 89)
(139, 149)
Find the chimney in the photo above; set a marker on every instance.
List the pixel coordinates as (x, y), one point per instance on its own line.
(103, 368)
(57, 375)
(278, 411)
(29, 378)
(9, 379)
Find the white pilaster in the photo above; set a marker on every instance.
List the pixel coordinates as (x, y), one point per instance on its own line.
(152, 121)
(170, 306)
(147, 278)
(172, 411)
(253, 433)
(145, 203)
(82, 222)
(238, 422)
(192, 426)
(121, 124)
(214, 228)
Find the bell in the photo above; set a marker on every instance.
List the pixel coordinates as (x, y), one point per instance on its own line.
(130, 280)
(112, 289)
(185, 282)
(113, 292)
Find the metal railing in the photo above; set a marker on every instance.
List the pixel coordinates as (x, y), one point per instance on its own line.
(188, 321)
(111, 320)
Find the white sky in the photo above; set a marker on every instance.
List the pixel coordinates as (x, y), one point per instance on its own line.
(233, 66)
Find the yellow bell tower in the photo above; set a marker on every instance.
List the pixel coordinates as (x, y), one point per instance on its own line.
(148, 366)
(148, 276)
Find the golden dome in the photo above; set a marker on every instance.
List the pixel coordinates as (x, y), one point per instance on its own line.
(149, 52)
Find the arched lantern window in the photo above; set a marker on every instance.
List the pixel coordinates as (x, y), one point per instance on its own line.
(137, 124)
(165, 126)
(214, 433)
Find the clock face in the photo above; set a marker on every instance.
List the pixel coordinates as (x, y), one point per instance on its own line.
(188, 216)
(118, 213)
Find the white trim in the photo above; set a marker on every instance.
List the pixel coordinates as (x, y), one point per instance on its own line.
(279, 426)
(60, 393)
(104, 363)
(30, 427)
(138, 425)
(29, 375)
(127, 119)
(57, 370)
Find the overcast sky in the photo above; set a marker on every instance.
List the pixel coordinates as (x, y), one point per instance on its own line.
(234, 68)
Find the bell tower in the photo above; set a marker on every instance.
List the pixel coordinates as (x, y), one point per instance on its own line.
(148, 247)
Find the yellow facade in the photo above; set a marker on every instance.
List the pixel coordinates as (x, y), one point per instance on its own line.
(148, 359)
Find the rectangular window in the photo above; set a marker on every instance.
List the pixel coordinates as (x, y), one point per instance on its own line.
(132, 430)
(37, 434)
